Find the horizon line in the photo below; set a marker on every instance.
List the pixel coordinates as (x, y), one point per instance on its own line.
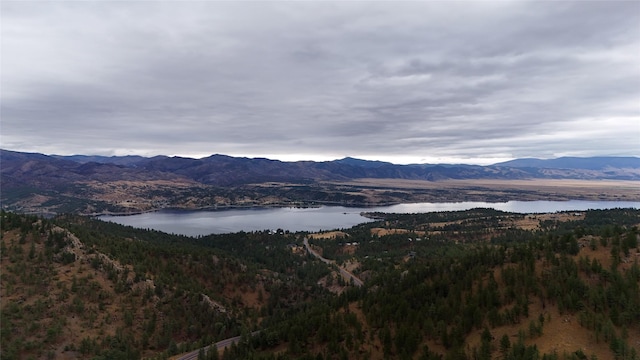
(395, 160)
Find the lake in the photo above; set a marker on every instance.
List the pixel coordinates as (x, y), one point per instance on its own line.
(194, 223)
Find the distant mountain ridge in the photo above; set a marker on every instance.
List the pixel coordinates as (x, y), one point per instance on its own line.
(221, 170)
(127, 160)
(32, 182)
(566, 162)
(42, 171)
(590, 163)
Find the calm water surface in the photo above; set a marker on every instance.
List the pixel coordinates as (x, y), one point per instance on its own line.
(193, 223)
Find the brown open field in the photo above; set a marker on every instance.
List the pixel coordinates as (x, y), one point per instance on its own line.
(383, 232)
(328, 235)
(534, 189)
(127, 197)
(567, 184)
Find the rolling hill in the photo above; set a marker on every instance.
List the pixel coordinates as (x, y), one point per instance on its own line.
(222, 170)
(475, 284)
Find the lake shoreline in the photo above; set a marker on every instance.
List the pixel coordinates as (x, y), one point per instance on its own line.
(194, 222)
(315, 204)
(365, 205)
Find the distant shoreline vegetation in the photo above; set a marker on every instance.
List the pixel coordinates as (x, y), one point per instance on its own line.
(372, 215)
(296, 205)
(368, 214)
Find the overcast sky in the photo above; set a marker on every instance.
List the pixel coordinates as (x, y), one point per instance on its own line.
(472, 82)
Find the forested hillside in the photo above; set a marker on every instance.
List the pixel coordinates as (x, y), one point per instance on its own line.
(477, 284)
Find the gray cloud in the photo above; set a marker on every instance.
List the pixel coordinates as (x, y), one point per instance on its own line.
(403, 81)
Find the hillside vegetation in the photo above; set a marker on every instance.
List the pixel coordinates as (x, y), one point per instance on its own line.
(477, 284)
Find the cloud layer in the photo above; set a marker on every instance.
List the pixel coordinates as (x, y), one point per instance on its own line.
(414, 81)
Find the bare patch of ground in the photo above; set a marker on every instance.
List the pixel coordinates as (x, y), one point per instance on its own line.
(562, 332)
(532, 221)
(349, 249)
(329, 235)
(351, 265)
(137, 195)
(383, 231)
(331, 283)
(534, 189)
(33, 201)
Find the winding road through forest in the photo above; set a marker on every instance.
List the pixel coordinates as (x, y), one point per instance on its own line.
(346, 274)
(219, 345)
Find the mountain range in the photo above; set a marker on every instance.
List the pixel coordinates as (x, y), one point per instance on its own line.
(19, 168)
(588, 163)
(89, 184)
